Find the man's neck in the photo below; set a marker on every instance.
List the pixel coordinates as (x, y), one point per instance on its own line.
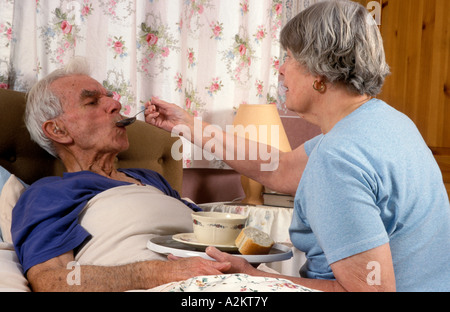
(101, 164)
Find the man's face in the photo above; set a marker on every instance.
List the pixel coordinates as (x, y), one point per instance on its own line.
(90, 115)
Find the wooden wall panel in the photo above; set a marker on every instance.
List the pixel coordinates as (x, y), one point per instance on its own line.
(417, 43)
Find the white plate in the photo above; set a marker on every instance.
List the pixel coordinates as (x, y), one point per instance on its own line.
(167, 245)
(191, 240)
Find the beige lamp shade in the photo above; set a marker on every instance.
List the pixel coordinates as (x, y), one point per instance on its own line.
(262, 115)
(258, 122)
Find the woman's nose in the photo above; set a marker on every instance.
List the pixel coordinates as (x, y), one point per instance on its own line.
(281, 71)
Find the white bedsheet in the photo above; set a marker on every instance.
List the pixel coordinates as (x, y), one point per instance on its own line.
(11, 274)
(123, 219)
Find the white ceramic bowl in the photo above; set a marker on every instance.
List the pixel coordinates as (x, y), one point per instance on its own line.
(217, 228)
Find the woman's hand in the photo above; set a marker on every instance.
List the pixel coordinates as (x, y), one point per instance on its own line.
(179, 269)
(166, 115)
(238, 264)
(226, 263)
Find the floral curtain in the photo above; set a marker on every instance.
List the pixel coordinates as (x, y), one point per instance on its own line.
(208, 56)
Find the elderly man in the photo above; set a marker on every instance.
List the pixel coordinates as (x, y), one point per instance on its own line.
(60, 221)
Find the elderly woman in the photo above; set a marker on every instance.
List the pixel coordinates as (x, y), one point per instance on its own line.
(371, 211)
(74, 118)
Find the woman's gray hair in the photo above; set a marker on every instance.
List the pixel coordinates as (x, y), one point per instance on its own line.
(339, 41)
(43, 104)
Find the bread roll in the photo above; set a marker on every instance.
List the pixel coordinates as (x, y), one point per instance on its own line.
(252, 241)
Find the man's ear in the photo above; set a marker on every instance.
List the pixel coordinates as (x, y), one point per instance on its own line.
(53, 132)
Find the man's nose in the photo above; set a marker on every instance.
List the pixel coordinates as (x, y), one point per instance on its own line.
(113, 106)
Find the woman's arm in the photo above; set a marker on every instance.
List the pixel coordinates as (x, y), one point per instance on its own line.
(371, 270)
(272, 168)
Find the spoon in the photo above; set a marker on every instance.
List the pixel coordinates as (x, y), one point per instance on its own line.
(128, 121)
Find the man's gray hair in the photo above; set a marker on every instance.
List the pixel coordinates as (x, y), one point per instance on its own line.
(339, 41)
(43, 104)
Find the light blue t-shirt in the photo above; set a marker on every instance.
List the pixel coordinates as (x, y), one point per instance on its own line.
(372, 180)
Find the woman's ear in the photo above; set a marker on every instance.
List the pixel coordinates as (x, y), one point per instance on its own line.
(53, 132)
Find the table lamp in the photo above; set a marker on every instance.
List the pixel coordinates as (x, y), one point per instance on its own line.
(262, 117)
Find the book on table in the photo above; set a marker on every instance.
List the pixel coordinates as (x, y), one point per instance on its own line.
(278, 200)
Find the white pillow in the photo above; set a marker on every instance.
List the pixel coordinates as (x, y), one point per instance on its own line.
(4, 176)
(11, 192)
(11, 273)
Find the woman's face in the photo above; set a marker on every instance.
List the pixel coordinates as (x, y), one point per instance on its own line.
(90, 115)
(298, 82)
